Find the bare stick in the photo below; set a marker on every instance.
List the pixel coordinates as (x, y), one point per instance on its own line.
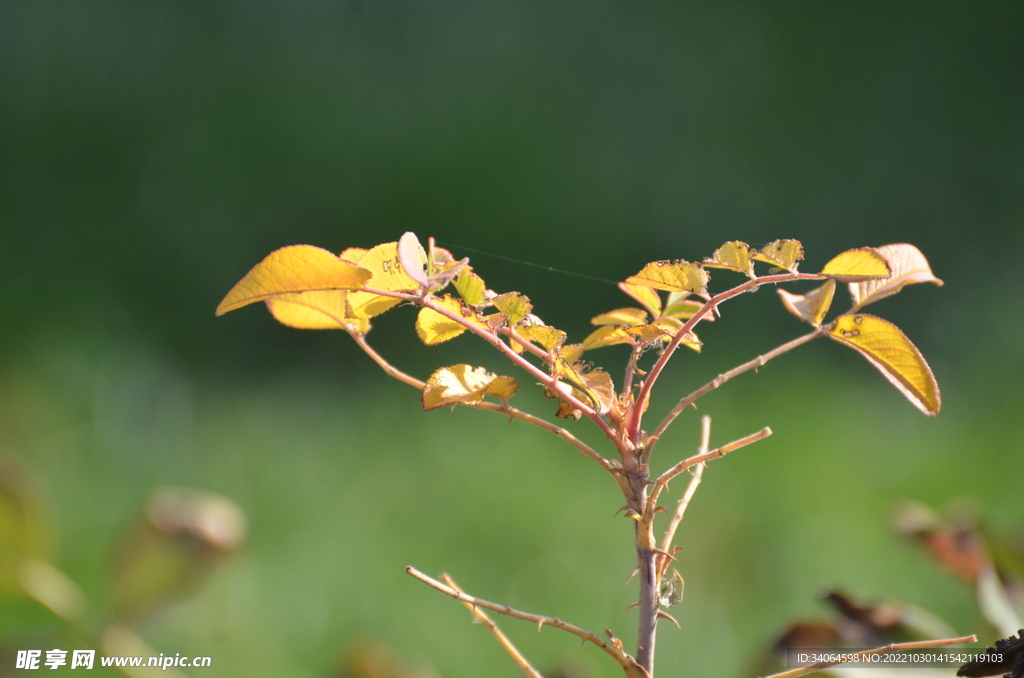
(892, 647)
(629, 665)
(684, 501)
(662, 482)
(559, 431)
(709, 305)
(503, 640)
(759, 361)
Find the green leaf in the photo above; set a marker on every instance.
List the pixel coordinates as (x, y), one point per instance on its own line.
(908, 266)
(465, 385)
(781, 253)
(856, 265)
(672, 276)
(299, 268)
(735, 256)
(888, 349)
(810, 307)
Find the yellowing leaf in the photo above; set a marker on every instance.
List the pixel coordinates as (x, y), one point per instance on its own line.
(596, 384)
(413, 258)
(621, 316)
(865, 263)
(647, 333)
(673, 276)
(387, 275)
(671, 326)
(470, 287)
(888, 349)
(607, 335)
(733, 255)
(908, 266)
(352, 255)
(685, 308)
(548, 337)
(464, 385)
(435, 328)
(318, 310)
(810, 307)
(299, 268)
(782, 253)
(571, 353)
(647, 297)
(514, 305)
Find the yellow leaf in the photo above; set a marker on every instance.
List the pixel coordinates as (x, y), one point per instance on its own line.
(607, 335)
(671, 326)
(810, 307)
(888, 349)
(621, 316)
(865, 263)
(514, 305)
(596, 384)
(647, 297)
(908, 266)
(435, 328)
(319, 310)
(352, 255)
(548, 337)
(684, 309)
(570, 353)
(299, 268)
(464, 385)
(781, 253)
(673, 276)
(647, 333)
(470, 287)
(733, 255)
(386, 275)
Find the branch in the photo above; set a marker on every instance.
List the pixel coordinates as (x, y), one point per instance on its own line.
(513, 412)
(892, 647)
(629, 665)
(684, 501)
(503, 640)
(662, 482)
(759, 361)
(645, 390)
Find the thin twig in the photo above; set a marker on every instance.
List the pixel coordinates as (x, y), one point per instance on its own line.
(662, 482)
(684, 501)
(892, 647)
(759, 361)
(709, 305)
(632, 669)
(503, 640)
(513, 412)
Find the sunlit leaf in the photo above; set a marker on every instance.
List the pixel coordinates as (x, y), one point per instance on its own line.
(908, 266)
(595, 384)
(470, 287)
(685, 308)
(647, 333)
(570, 353)
(621, 316)
(607, 335)
(299, 268)
(464, 385)
(781, 253)
(513, 305)
(865, 263)
(647, 297)
(435, 328)
(352, 255)
(672, 326)
(810, 307)
(888, 349)
(672, 276)
(413, 258)
(548, 337)
(387, 276)
(319, 310)
(733, 255)
(567, 411)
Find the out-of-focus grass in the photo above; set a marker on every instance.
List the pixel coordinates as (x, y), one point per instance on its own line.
(346, 483)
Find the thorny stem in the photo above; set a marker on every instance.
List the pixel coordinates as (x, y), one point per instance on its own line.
(759, 361)
(630, 665)
(503, 640)
(513, 412)
(645, 390)
(892, 647)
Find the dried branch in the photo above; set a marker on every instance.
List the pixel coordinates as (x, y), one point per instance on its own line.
(503, 640)
(684, 501)
(892, 647)
(629, 665)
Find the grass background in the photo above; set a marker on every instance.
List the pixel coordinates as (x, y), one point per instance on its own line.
(153, 152)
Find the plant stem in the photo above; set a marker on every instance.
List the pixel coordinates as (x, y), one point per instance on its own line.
(647, 631)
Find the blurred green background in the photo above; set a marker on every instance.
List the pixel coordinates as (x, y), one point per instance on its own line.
(152, 152)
